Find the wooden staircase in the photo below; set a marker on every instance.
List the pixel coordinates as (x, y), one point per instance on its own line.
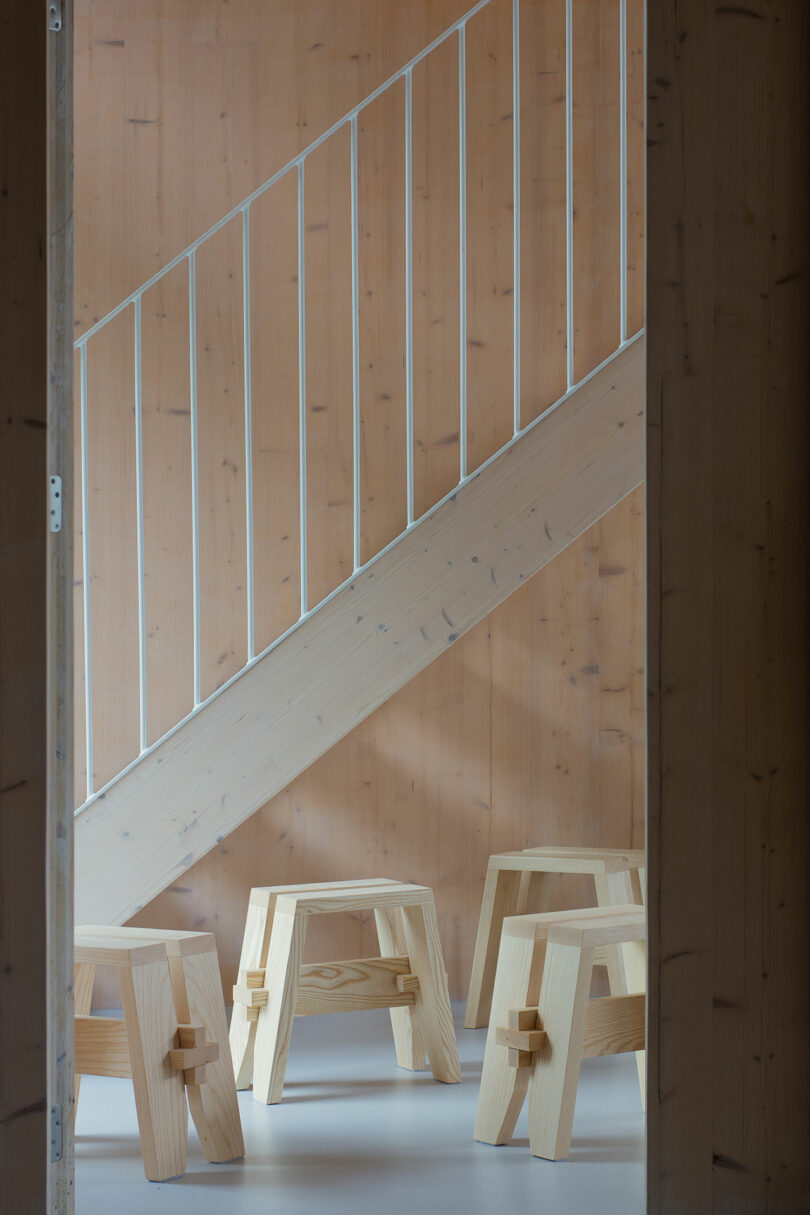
(422, 593)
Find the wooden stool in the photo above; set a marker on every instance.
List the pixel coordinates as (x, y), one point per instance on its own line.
(274, 985)
(544, 1021)
(517, 883)
(172, 1040)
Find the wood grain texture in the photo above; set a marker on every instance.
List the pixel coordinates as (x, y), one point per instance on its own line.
(729, 1100)
(169, 136)
(562, 1010)
(101, 1047)
(35, 659)
(437, 582)
(483, 731)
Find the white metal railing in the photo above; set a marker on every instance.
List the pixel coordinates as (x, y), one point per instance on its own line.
(298, 165)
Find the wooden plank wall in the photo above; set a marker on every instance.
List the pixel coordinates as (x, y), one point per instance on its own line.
(728, 380)
(171, 130)
(36, 878)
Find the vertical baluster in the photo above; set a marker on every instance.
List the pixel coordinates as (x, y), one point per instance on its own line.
(195, 479)
(409, 289)
(623, 171)
(355, 344)
(88, 661)
(569, 192)
(248, 377)
(139, 522)
(302, 390)
(462, 247)
(516, 207)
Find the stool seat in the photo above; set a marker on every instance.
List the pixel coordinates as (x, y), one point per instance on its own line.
(588, 927)
(572, 860)
(519, 883)
(544, 1022)
(275, 985)
(171, 1041)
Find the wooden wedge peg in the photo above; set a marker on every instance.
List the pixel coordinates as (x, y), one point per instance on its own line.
(192, 1053)
(522, 1037)
(251, 993)
(407, 983)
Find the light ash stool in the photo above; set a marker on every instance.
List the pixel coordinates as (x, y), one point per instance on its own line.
(172, 1040)
(275, 985)
(517, 883)
(544, 1021)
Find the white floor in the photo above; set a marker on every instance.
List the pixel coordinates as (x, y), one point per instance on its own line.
(357, 1136)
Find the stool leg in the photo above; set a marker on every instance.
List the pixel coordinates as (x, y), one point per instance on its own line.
(501, 892)
(198, 1001)
(255, 944)
(533, 895)
(84, 974)
(276, 1019)
(503, 1088)
(627, 969)
(151, 1024)
(433, 997)
(562, 1008)
(406, 1023)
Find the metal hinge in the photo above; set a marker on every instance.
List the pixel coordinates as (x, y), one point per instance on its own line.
(55, 15)
(56, 1133)
(55, 503)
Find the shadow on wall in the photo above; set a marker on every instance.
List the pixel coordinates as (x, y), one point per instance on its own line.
(527, 731)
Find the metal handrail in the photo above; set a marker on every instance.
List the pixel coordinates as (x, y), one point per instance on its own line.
(242, 209)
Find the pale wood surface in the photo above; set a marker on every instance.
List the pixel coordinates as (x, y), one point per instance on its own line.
(588, 926)
(484, 731)
(406, 1023)
(213, 1104)
(412, 983)
(102, 1048)
(727, 442)
(517, 883)
(160, 1100)
(421, 932)
(614, 1024)
(274, 1027)
(170, 133)
(562, 1011)
(462, 561)
(503, 1088)
(325, 987)
(500, 899)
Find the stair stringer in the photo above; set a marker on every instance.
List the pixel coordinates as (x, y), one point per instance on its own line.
(397, 615)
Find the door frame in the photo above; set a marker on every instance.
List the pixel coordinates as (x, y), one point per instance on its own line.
(733, 831)
(36, 730)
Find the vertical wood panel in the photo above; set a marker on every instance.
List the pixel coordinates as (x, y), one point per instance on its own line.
(221, 445)
(636, 96)
(729, 1107)
(489, 232)
(35, 661)
(167, 503)
(330, 478)
(435, 276)
(113, 548)
(203, 101)
(542, 179)
(381, 218)
(596, 183)
(274, 358)
(491, 747)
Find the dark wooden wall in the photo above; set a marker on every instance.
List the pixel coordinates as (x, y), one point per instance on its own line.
(36, 1023)
(728, 404)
